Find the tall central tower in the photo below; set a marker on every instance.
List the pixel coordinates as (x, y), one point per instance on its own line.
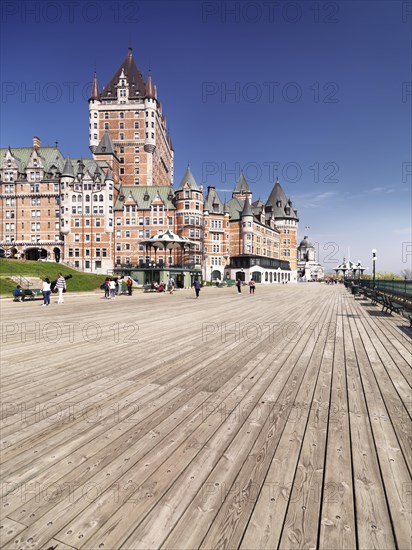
(128, 109)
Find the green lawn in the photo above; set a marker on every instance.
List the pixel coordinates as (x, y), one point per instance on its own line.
(79, 281)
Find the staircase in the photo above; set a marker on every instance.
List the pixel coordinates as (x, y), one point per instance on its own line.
(27, 282)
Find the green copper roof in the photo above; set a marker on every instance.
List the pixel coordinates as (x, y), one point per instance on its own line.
(144, 196)
(213, 204)
(49, 156)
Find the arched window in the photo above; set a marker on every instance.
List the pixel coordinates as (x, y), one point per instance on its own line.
(87, 198)
(74, 198)
(95, 197)
(101, 198)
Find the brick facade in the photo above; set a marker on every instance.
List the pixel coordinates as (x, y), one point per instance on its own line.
(94, 213)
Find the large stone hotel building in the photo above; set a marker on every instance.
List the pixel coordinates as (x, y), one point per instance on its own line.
(97, 214)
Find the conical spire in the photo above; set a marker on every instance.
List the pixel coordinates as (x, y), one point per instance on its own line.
(188, 178)
(280, 204)
(150, 91)
(242, 186)
(68, 171)
(95, 89)
(109, 175)
(247, 209)
(134, 78)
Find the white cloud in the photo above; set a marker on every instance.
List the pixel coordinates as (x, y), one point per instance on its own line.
(313, 200)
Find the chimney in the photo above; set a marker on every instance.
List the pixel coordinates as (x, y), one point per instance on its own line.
(36, 143)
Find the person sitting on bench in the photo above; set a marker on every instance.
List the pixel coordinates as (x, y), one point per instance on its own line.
(18, 294)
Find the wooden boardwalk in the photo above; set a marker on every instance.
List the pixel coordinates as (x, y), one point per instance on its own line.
(275, 420)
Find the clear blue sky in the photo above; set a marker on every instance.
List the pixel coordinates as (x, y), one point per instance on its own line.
(320, 90)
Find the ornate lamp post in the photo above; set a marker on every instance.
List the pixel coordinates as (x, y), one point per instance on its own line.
(152, 265)
(374, 261)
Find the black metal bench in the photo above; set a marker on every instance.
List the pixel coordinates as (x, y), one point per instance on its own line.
(377, 298)
(390, 306)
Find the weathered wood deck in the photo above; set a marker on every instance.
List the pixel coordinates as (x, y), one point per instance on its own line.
(276, 420)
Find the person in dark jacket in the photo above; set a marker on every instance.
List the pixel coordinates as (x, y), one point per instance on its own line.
(197, 287)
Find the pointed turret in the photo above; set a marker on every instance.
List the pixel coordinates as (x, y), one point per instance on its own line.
(150, 91)
(109, 175)
(94, 94)
(135, 80)
(68, 171)
(189, 179)
(247, 209)
(280, 204)
(242, 188)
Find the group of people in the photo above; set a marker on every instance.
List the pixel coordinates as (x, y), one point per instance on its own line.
(161, 287)
(251, 284)
(114, 286)
(58, 286)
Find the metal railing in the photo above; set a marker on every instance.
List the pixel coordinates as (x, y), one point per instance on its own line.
(400, 289)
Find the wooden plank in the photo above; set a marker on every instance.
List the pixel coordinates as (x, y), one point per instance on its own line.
(148, 475)
(373, 522)
(394, 470)
(337, 519)
(9, 529)
(301, 524)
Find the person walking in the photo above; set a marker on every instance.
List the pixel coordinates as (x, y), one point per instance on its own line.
(119, 285)
(112, 288)
(171, 285)
(239, 285)
(46, 290)
(197, 286)
(61, 287)
(106, 286)
(129, 283)
(251, 286)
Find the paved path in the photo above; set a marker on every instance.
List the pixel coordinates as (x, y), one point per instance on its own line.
(274, 420)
